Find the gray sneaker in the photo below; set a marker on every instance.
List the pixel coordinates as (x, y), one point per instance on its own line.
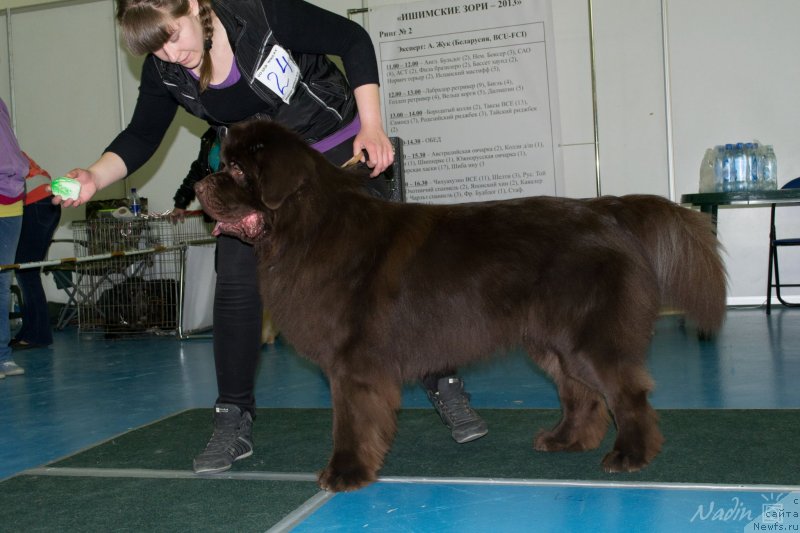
(452, 403)
(10, 368)
(232, 440)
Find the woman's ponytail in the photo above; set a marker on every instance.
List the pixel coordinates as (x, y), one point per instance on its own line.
(207, 22)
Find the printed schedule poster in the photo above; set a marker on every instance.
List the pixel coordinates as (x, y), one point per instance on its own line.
(471, 90)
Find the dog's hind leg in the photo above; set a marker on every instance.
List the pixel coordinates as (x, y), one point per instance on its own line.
(584, 415)
(364, 424)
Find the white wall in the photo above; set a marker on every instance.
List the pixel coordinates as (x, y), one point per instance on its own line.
(70, 99)
(735, 76)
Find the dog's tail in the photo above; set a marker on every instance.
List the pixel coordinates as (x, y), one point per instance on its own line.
(684, 252)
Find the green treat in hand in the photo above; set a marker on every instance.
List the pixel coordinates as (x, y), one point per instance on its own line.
(66, 188)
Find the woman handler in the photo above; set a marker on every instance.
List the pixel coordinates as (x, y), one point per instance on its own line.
(224, 62)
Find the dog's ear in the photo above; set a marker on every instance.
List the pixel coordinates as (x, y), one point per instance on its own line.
(283, 177)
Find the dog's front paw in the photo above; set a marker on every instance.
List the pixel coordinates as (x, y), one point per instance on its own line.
(339, 477)
(618, 461)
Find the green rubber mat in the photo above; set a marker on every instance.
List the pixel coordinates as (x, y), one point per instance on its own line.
(78, 504)
(702, 446)
(141, 481)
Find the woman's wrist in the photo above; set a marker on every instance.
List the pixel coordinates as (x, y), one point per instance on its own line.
(368, 103)
(109, 169)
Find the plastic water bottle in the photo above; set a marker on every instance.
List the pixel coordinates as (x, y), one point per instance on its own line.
(740, 171)
(722, 167)
(136, 204)
(751, 151)
(768, 168)
(719, 155)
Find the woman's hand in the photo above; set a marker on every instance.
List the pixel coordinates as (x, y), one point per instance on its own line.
(88, 188)
(177, 215)
(372, 138)
(378, 147)
(105, 171)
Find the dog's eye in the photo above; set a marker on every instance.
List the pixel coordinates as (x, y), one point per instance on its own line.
(235, 170)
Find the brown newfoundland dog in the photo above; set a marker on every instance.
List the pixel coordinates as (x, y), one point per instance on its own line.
(379, 293)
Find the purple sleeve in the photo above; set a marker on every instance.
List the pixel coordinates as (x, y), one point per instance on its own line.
(13, 163)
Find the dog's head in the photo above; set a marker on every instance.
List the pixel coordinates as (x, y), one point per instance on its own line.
(263, 165)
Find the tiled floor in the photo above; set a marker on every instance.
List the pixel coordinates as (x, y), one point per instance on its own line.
(84, 390)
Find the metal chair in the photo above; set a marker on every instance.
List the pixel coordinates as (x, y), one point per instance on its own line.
(65, 280)
(774, 244)
(15, 310)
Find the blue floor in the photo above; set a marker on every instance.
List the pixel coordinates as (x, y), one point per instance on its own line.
(396, 508)
(85, 389)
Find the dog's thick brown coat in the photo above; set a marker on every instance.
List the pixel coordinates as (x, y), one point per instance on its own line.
(379, 293)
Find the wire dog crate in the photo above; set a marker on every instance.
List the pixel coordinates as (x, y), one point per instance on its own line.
(132, 286)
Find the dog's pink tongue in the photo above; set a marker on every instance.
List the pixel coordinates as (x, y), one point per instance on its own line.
(249, 227)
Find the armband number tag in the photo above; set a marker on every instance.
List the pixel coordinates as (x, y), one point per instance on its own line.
(279, 73)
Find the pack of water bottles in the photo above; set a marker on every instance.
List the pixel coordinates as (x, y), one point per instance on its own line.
(749, 166)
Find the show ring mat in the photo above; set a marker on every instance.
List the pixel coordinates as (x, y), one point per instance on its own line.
(717, 447)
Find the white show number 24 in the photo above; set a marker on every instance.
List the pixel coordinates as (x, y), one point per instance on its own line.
(279, 73)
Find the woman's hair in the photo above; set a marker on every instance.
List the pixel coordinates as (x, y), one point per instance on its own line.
(145, 27)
